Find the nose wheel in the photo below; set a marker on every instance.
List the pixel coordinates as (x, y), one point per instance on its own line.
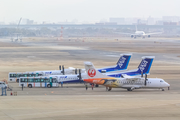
(162, 89)
(109, 89)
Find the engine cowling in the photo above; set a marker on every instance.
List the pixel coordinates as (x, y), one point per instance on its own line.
(149, 36)
(132, 36)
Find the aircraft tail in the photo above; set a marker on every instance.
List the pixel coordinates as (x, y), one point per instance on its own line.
(145, 64)
(92, 72)
(123, 61)
(122, 64)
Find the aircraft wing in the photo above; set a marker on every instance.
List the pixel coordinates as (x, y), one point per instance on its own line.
(17, 33)
(153, 33)
(126, 76)
(130, 77)
(125, 33)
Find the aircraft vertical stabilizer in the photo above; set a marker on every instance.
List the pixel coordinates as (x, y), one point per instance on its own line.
(92, 72)
(122, 63)
(145, 65)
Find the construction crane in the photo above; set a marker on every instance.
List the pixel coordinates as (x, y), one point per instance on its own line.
(17, 34)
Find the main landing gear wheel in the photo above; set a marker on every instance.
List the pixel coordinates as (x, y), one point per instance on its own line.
(162, 89)
(129, 89)
(109, 89)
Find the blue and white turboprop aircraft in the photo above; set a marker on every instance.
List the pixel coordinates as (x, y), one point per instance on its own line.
(122, 65)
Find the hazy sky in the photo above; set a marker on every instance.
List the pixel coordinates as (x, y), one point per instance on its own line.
(85, 10)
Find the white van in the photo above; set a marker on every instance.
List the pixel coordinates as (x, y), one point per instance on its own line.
(2, 84)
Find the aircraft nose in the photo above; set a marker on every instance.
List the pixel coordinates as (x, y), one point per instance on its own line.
(168, 85)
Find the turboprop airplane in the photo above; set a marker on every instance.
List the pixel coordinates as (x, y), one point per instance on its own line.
(141, 34)
(122, 64)
(127, 82)
(143, 68)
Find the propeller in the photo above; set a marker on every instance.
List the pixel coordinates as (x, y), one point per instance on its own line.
(80, 78)
(142, 74)
(76, 71)
(60, 67)
(122, 76)
(145, 82)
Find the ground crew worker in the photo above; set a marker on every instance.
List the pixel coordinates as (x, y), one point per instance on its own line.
(22, 86)
(86, 87)
(92, 86)
(61, 83)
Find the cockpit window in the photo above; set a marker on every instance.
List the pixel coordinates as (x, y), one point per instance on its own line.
(161, 81)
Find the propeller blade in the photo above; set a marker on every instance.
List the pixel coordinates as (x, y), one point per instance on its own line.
(142, 74)
(76, 71)
(145, 82)
(145, 76)
(63, 69)
(60, 67)
(80, 75)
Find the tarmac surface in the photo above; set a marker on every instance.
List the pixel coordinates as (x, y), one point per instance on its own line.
(73, 101)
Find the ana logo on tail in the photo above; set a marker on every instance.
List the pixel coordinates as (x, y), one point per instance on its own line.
(91, 72)
(121, 62)
(143, 65)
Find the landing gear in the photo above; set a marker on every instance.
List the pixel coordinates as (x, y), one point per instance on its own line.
(162, 89)
(129, 89)
(109, 89)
